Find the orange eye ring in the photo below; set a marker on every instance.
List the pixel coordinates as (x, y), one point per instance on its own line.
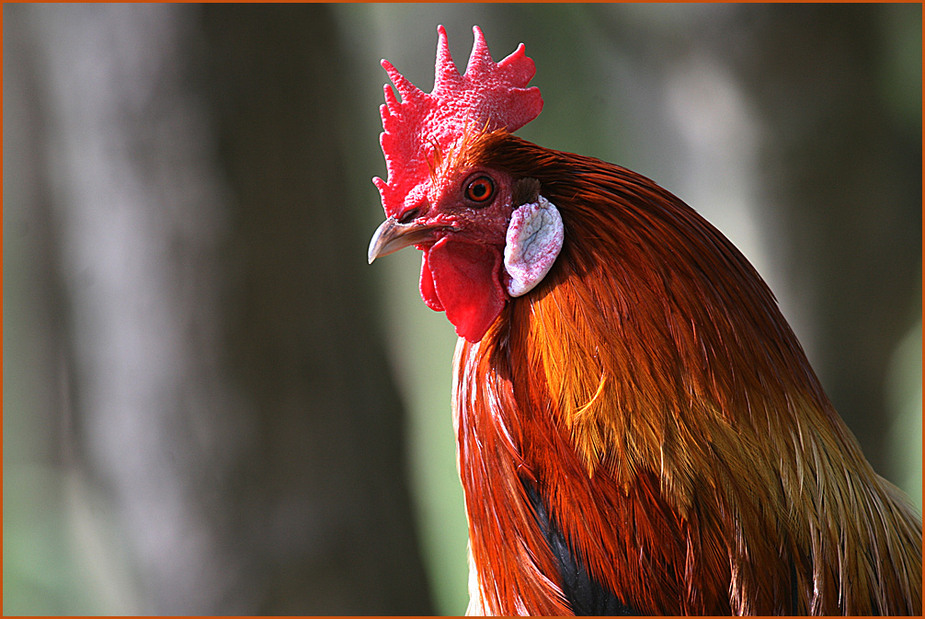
(480, 190)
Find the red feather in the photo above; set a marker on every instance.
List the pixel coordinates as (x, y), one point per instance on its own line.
(652, 391)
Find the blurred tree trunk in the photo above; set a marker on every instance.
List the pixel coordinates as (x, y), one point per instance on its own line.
(231, 401)
(300, 339)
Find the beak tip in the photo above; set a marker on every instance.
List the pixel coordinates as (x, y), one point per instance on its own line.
(375, 246)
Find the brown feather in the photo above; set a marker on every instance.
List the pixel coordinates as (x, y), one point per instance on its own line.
(652, 390)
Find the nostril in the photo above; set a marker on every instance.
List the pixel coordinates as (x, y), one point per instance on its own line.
(409, 215)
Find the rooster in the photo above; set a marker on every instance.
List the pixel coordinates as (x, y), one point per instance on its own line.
(638, 429)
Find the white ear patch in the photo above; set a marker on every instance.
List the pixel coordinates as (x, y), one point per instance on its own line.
(534, 239)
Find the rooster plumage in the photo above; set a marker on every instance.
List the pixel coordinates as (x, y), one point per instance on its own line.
(640, 432)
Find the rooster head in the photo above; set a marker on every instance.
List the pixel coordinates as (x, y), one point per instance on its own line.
(485, 236)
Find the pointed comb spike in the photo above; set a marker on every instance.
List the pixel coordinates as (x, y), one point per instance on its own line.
(518, 66)
(445, 71)
(480, 57)
(406, 89)
(391, 101)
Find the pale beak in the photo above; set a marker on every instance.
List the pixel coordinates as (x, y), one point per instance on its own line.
(392, 236)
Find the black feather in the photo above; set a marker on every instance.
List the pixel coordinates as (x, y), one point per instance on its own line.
(584, 593)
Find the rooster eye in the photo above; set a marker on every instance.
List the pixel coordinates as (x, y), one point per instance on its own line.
(480, 190)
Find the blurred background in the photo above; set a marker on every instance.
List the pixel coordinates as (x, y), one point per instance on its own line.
(212, 405)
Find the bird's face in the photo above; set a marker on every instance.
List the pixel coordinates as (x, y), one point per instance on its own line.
(459, 222)
(469, 204)
(486, 237)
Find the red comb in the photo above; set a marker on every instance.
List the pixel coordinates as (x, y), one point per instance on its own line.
(490, 95)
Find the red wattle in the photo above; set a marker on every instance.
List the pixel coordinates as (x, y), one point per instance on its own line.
(464, 280)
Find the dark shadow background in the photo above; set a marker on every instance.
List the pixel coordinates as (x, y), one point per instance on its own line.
(212, 405)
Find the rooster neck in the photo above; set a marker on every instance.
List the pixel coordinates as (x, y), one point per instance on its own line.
(635, 389)
(670, 528)
(512, 569)
(514, 459)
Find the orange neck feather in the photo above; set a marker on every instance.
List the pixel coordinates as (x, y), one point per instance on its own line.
(653, 391)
